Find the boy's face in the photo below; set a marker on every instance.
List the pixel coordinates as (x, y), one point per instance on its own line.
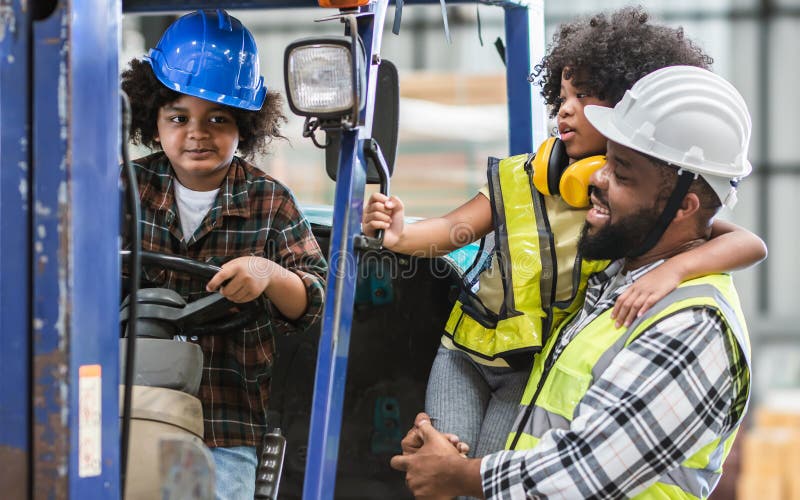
(200, 138)
(579, 136)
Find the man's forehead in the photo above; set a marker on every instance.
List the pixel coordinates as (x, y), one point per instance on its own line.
(627, 157)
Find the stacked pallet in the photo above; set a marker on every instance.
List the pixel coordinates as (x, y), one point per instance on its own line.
(771, 451)
(455, 89)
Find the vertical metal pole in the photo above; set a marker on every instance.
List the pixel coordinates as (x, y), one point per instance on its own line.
(334, 343)
(766, 12)
(51, 412)
(331, 371)
(95, 138)
(75, 167)
(15, 285)
(527, 115)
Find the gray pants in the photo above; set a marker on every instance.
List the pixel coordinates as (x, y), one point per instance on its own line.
(478, 403)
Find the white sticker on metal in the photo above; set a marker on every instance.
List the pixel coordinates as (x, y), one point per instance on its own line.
(89, 422)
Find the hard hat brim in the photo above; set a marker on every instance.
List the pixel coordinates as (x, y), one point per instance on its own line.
(155, 60)
(602, 119)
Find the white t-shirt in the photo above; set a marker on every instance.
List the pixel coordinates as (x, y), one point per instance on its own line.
(192, 207)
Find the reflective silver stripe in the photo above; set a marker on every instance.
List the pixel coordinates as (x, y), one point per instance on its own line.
(677, 295)
(518, 420)
(539, 422)
(698, 482)
(694, 291)
(501, 237)
(605, 359)
(733, 321)
(542, 421)
(547, 280)
(717, 456)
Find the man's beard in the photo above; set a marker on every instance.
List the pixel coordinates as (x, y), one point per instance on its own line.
(620, 239)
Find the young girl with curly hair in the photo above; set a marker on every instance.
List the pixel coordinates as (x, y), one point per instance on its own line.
(511, 301)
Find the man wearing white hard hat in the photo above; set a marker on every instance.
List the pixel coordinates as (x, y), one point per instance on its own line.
(650, 410)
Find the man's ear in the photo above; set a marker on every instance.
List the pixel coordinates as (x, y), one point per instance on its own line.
(689, 207)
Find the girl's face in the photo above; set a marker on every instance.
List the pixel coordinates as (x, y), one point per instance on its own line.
(580, 137)
(200, 138)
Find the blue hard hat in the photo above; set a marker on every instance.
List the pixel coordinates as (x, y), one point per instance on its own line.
(209, 54)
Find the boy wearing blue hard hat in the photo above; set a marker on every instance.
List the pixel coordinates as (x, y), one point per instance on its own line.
(198, 99)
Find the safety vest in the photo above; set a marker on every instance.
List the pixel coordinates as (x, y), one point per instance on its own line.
(524, 243)
(558, 386)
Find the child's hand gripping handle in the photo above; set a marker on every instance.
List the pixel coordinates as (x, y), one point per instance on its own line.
(373, 151)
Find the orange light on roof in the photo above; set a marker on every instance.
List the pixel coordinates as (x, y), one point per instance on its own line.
(342, 4)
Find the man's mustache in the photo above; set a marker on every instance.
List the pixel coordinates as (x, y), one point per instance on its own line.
(594, 191)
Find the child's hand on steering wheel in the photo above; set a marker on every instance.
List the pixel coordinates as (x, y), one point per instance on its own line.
(242, 279)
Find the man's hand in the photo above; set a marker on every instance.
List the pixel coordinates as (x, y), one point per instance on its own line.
(436, 468)
(249, 277)
(413, 440)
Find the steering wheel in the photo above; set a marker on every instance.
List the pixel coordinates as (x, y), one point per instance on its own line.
(163, 313)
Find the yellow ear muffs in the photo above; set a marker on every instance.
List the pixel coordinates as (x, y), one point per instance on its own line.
(550, 161)
(574, 184)
(553, 174)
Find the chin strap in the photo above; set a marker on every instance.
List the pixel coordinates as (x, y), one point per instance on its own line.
(685, 179)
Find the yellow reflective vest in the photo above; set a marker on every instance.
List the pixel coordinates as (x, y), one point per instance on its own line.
(555, 387)
(524, 243)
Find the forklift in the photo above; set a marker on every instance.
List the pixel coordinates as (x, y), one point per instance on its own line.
(61, 368)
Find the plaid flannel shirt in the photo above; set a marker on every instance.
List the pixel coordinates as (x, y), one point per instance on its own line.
(678, 385)
(252, 214)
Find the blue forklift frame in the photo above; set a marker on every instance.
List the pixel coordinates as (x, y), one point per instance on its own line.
(59, 271)
(59, 220)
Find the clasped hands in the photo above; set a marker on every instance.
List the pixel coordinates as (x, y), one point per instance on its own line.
(435, 463)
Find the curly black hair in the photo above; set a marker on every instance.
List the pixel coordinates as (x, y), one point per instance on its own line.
(607, 53)
(147, 95)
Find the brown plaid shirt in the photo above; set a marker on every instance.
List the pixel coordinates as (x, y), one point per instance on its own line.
(252, 215)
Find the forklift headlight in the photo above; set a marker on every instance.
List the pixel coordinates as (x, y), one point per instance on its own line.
(323, 78)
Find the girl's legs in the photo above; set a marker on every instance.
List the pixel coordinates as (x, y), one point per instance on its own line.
(478, 403)
(506, 388)
(457, 395)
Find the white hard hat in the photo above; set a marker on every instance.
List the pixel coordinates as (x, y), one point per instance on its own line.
(688, 117)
